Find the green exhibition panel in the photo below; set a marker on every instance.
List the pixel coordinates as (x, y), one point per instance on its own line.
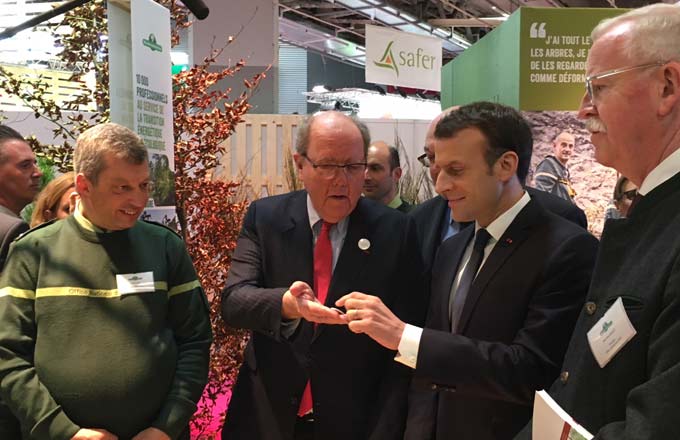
(534, 61)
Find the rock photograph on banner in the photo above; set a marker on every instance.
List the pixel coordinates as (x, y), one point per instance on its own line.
(592, 182)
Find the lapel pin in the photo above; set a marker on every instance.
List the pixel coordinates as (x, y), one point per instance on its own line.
(364, 244)
(508, 240)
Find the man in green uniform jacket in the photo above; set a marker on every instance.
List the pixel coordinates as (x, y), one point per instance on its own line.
(104, 327)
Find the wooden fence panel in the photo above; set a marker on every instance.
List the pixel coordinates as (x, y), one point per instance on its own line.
(256, 151)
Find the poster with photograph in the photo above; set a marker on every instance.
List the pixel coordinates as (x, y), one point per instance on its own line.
(592, 182)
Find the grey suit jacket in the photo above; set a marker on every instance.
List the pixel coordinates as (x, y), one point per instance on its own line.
(10, 228)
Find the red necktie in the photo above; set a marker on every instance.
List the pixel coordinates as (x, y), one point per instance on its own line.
(323, 270)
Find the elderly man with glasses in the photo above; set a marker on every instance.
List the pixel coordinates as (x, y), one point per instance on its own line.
(305, 374)
(624, 386)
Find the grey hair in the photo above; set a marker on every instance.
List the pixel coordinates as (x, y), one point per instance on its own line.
(93, 144)
(302, 141)
(654, 32)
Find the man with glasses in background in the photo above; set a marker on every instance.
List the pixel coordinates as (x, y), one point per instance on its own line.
(305, 375)
(629, 390)
(433, 218)
(104, 327)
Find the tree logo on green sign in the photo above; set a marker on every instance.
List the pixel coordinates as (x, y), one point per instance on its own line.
(151, 43)
(387, 60)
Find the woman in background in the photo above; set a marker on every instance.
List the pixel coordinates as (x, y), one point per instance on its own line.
(624, 193)
(56, 200)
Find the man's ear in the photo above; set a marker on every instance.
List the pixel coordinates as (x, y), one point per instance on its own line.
(396, 173)
(671, 88)
(297, 158)
(83, 185)
(506, 166)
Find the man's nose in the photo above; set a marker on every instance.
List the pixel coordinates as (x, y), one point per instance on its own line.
(441, 184)
(587, 108)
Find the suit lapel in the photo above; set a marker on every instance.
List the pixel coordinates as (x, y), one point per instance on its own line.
(297, 235)
(513, 237)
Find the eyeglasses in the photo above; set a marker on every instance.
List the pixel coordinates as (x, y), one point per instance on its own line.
(607, 74)
(425, 160)
(630, 194)
(328, 170)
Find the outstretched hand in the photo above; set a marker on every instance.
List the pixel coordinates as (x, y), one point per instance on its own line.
(93, 434)
(367, 314)
(299, 301)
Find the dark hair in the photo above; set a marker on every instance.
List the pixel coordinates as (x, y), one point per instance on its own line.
(618, 188)
(394, 157)
(302, 141)
(503, 127)
(6, 134)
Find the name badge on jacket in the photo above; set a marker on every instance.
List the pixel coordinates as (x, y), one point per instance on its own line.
(611, 333)
(128, 283)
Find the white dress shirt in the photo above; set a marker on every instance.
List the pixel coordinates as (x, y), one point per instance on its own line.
(668, 168)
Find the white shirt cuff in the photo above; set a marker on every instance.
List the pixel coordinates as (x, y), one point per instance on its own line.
(407, 352)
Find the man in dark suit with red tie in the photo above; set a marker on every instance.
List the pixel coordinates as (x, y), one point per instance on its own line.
(505, 293)
(305, 374)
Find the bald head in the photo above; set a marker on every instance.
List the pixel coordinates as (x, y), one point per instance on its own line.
(563, 146)
(328, 120)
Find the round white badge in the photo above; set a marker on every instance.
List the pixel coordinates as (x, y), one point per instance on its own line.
(364, 244)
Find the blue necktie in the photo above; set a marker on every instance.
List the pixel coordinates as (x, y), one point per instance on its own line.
(456, 305)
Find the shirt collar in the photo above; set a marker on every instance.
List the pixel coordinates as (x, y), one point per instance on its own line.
(395, 203)
(7, 211)
(84, 222)
(668, 168)
(314, 217)
(497, 227)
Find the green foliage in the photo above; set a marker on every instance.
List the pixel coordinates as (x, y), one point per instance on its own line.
(84, 51)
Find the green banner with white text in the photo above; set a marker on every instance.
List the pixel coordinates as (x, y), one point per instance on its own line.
(554, 44)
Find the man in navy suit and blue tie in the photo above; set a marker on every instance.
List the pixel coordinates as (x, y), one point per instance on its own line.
(505, 293)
